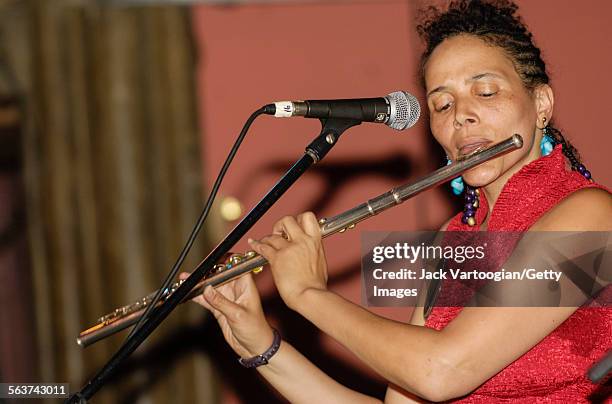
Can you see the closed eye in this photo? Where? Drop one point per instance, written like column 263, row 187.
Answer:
column 444, row 107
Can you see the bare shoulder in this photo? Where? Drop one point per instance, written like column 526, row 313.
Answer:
column 583, row 210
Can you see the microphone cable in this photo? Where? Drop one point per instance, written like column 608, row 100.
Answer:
column 203, row 215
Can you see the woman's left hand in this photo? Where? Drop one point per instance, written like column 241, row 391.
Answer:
column 296, row 257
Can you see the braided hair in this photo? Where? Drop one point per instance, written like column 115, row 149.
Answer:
column 495, row 22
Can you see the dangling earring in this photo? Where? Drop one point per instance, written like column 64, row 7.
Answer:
column 547, row 144
column 470, row 197
column 457, row 184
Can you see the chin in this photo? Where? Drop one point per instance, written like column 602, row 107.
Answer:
column 482, row 176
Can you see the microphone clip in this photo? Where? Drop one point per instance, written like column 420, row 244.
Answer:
column 332, row 129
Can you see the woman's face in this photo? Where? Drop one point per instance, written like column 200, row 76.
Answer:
column 476, row 98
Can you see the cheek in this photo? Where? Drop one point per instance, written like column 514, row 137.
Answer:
column 500, row 116
column 441, row 132
column 515, row 114
column 516, row 117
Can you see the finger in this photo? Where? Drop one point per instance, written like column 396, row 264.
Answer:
column 310, row 224
column 241, row 285
column 198, row 299
column 242, row 291
column 249, row 291
column 289, row 226
column 223, row 292
column 279, row 229
column 222, row 304
column 275, row 241
column 248, row 281
column 227, row 291
column 265, row 250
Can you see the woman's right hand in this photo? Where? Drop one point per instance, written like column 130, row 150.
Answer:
column 237, row 307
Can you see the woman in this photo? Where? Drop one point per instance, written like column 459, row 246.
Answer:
column 484, row 81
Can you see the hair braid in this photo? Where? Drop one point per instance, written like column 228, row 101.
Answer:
column 568, row 149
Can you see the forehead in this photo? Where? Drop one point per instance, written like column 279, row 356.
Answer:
column 463, row 56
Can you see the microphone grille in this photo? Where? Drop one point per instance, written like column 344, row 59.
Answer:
column 405, row 110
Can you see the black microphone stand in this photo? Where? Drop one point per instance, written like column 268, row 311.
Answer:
column 598, row 372
column 316, row 150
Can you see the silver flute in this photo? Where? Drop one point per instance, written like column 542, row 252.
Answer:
column 238, row 265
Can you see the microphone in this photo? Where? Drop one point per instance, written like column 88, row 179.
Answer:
column 398, row 110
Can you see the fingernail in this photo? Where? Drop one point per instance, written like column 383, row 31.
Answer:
column 250, row 240
column 208, row 291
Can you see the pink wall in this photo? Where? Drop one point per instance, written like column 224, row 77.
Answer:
column 251, row 55
column 575, row 41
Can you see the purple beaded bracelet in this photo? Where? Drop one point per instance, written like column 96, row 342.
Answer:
column 263, row 359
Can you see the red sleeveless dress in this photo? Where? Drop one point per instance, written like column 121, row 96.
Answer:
column 554, row 370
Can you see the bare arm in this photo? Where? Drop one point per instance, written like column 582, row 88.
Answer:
column 435, row 365
column 237, row 308
column 300, row 381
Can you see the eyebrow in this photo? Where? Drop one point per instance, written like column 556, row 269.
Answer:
column 473, row 78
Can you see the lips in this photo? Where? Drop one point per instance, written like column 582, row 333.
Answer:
column 469, row 146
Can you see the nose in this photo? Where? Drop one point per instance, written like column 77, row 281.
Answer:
column 465, row 114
